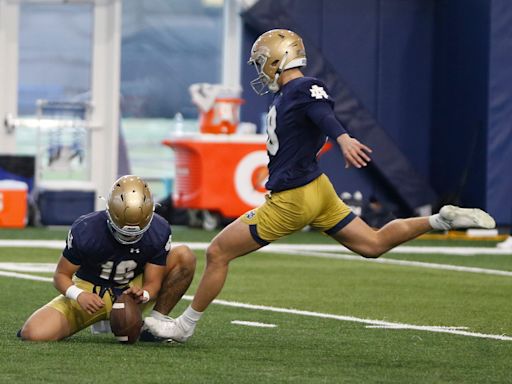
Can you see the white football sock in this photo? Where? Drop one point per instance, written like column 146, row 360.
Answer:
column 190, row 316
column 157, row 315
column 437, row 222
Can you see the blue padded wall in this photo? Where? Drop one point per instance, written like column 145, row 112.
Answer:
column 458, row 149
column 404, row 81
column 472, row 110
column 499, row 135
column 349, row 42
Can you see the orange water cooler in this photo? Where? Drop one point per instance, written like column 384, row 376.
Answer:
column 223, row 117
column 219, row 173
column 218, row 106
column 13, row 204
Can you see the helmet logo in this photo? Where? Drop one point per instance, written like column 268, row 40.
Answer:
column 130, row 209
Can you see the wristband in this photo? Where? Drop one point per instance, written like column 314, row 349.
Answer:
column 145, row 296
column 73, row 291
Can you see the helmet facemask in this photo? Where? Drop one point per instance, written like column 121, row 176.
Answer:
column 129, row 234
column 263, row 80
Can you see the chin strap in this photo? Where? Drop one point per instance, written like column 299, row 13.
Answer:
column 274, row 87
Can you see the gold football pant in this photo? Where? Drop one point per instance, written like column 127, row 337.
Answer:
column 316, row 204
column 78, row 318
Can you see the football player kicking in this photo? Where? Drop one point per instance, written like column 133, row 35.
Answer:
column 300, row 117
column 123, row 249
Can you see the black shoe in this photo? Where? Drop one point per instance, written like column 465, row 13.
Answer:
column 147, row 336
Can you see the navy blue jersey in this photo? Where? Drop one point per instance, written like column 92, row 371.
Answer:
column 299, row 120
column 103, row 260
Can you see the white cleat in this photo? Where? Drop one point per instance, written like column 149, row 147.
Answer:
column 172, row 330
column 147, row 335
column 507, row 244
column 457, row 217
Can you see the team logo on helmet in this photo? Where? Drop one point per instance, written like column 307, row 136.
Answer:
column 130, row 209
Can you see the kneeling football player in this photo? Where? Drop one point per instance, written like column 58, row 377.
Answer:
column 125, row 249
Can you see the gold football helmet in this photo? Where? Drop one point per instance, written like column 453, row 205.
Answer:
column 272, row 53
column 130, row 208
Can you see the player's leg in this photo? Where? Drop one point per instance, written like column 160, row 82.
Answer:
column 283, row 213
column 181, row 265
column 233, row 241
column 368, row 242
column 63, row 317
column 362, row 239
column 337, row 221
column 45, row 324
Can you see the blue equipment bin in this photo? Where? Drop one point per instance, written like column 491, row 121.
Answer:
column 64, row 207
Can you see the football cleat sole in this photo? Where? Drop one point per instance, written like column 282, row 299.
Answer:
column 147, row 337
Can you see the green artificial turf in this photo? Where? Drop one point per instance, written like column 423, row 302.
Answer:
column 301, row 349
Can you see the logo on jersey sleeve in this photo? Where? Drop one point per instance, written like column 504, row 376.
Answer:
column 168, row 244
column 70, row 240
column 318, row 92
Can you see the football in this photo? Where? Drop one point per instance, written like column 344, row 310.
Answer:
column 126, row 319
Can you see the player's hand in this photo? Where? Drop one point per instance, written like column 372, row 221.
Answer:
column 136, row 293
column 355, row 153
column 90, row 302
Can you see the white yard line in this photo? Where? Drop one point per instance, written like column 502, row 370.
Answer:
column 50, row 244
column 391, row 325
column 380, row 323
column 253, row 324
column 28, row 267
column 25, row 276
column 400, row 327
column 408, row 263
column 402, row 249
column 308, row 250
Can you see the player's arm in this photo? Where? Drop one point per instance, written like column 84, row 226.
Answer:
column 62, row 280
column 153, row 278
column 354, row 152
